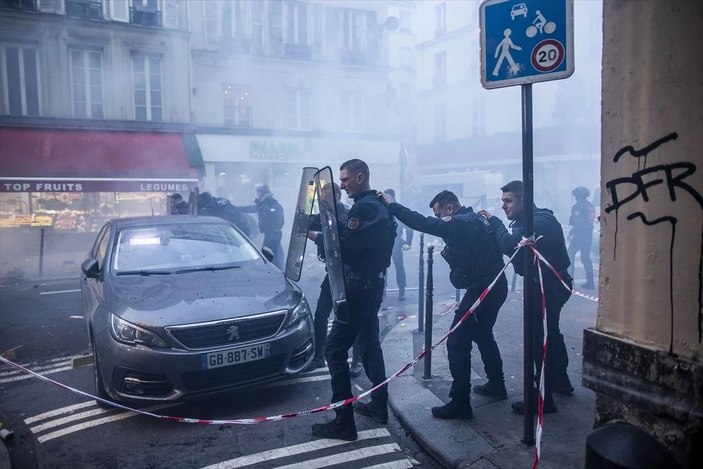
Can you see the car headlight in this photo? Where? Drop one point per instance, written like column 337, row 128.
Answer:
column 128, row 333
column 298, row 312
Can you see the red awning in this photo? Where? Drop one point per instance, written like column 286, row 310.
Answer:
column 41, row 160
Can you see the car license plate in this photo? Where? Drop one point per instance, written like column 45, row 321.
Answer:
column 235, row 356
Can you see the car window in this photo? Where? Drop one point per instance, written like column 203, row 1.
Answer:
column 180, row 246
column 102, row 245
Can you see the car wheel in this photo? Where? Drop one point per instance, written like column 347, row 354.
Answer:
column 99, row 385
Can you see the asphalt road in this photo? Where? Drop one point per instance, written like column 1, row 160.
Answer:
column 56, row 427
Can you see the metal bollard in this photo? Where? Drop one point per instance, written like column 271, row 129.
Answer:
column 428, row 315
column 41, row 252
column 421, row 287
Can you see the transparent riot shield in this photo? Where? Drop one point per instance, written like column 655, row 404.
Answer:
column 301, row 225
column 193, row 201
column 330, row 232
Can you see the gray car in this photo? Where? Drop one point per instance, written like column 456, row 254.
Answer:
column 181, row 306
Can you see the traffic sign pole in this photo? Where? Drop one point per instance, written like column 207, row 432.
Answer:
column 528, row 283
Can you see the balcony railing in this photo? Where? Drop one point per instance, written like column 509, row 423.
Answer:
column 87, row 9
column 145, row 17
column 26, row 5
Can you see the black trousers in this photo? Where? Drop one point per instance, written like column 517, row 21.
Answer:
column 581, row 242
column 363, row 301
column 557, row 361
column 398, row 263
column 272, row 241
column 479, row 329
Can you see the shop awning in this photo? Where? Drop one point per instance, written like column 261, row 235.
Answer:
column 42, row 160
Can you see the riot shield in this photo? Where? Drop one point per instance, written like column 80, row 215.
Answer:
column 301, row 225
column 333, row 252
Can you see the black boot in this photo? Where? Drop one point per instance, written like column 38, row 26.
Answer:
column 341, row 428
column 493, row 389
column 589, row 285
column 375, row 409
column 455, row 409
column 549, row 406
column 401, row 293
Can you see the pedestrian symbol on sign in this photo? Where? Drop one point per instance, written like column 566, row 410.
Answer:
column 503, row 50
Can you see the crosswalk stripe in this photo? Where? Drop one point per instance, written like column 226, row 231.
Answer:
column 35, row 369
column 294, row 450
column 353, row 455
column 61, row 411
column 70, row 418
column 21, row 377
column 59, row 291
column 399, row 464
column 94, row 423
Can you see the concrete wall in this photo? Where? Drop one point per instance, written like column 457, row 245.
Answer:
column 652, row 213
column 644, row 357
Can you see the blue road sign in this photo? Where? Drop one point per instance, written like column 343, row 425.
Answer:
column 526, row 41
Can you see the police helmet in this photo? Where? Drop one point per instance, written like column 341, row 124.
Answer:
column 581, row 192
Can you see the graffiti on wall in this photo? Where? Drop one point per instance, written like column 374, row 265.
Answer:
column 662, row 183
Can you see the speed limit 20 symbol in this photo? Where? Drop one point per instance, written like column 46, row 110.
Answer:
column 547, row 55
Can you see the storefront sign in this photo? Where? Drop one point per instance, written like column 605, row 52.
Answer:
column 96, row 185
column 284, row 151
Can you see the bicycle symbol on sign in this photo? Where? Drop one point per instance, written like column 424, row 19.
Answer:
column 540, row 24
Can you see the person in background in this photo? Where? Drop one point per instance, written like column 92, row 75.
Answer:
column 403, row 241
column 581, row 234
column 271, row 221
column 178, row 205
column 553, row 248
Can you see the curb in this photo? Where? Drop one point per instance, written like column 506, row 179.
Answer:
column 453, row 443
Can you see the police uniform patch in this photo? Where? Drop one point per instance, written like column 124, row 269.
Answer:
column 446, row 218
column 353, row 223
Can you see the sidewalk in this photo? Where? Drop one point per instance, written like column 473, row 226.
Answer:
column 492, row 438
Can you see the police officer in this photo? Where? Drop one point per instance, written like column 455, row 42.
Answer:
column 581, row 233
column 553, row 248
column 271, row 221
column 324, row 303
column 403, row 241
column 474, row 260
column 366, row 241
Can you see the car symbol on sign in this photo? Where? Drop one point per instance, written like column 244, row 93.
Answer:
column 517, row 10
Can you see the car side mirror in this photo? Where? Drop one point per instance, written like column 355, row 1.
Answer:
column 268, row 253
column 91, row 268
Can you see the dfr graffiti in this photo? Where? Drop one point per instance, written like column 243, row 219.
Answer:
column 643, row 184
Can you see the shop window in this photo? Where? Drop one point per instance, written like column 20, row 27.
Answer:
column 237, row 106
column 148, row 89
column 20, row 80
column 298, row 113
column 87, row 83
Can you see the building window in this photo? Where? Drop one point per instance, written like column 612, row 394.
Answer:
column 145, row 12
column 440, row 19
column 440, row 122
column 148, row 90
column 440, row 69
column 87, row 83
column 236, row 19
column 354, row 30
column 355, row 122
column 405, row 21
column 237, row 106
column 296, row 24
column 20, row 73
column 298, row 109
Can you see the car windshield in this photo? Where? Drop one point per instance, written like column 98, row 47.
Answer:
column 180, row 247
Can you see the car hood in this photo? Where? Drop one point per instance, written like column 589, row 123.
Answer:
column 167, row 300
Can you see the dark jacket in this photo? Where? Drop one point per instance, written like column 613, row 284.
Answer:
column 367, row 237
column 582, row 215
column 552, row 245
column 471, row 252
column 270, row 214
column 180, row 209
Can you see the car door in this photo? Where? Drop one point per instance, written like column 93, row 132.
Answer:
column 92, row 288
